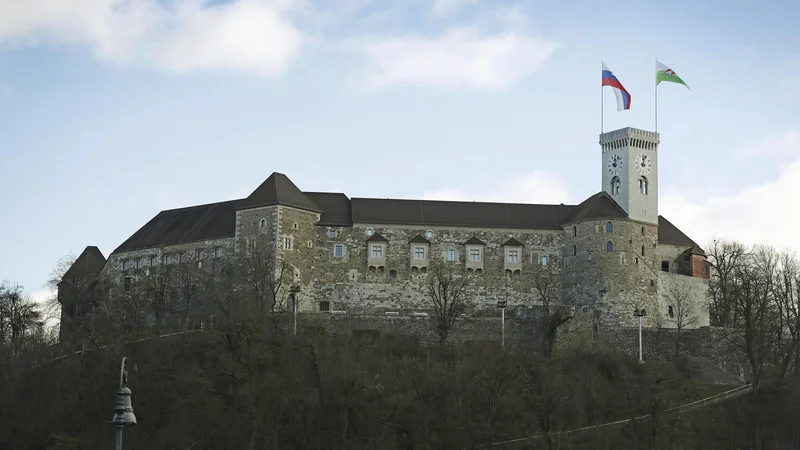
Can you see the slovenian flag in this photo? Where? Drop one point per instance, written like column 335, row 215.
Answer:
column 623, row 97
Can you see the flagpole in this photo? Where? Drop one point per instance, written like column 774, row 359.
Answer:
column 656, row 95
column 602, row 128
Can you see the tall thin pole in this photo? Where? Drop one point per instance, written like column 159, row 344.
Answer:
column 656, row 88
column 502, row 327
column 640, row 339
column 602, row 110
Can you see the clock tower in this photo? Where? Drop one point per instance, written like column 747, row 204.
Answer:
column 630, row 171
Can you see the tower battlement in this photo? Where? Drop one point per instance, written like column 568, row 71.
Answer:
column 630, row 132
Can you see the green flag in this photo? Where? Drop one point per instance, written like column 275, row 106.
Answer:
column 664, row 73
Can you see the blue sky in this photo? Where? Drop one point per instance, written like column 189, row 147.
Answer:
column 113, row 110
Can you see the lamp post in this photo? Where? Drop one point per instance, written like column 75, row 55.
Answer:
column 502, row 305
column 639, row 314
column 294, row 290
column 123, row 415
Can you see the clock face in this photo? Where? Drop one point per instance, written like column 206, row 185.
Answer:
column 614, row 164
column 643, row 163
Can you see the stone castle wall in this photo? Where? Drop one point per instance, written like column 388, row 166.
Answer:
column 611, row 283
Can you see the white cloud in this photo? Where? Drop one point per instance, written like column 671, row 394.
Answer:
column 536, row 187
column 786, row 145
column 253, row 36
column 760, row 214
column 460, row 58
column 444, row 7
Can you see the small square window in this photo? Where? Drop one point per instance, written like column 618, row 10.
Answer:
column 324, row 306
column 369, row 231
column 429, row 234
column 392, row 274
column 665, row 266
column 338, row 250
column 332, row 234
column 452, row 255
column 513, row 256
column 475, row 254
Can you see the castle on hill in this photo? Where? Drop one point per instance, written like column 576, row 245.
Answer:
column 610, row 254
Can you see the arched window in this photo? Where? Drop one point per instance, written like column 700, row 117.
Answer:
column 544, row 260
column 574, row 231
column 609, row 227
column 615, row 186
column 574, row 250
column 589, row 256
column 643, row 185
column 609, row 247
column 643, row 250
column 643, row 231
column 263, row 223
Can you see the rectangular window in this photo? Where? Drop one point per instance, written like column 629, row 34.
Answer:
column 332, row 234
column 287, row 243
column 475, row 254
column 217, row 252
column 180, row 257
column 452, row 255
column 419, row 252
column 377, row 251
column 124, row 265
column 513, row 256
column 152, row 261
column 338, row 250
column 201, row 255
column 166, row 259
column 126, row 282
column 138, row 263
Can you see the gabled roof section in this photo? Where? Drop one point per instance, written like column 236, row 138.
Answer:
column 278, row 189
column 335, row 208
column 177, row 226
column 474, row 241
column 598, row 206
column 670, row 234
column 87, row 265
column 419, row 239
column 459, row 214
column 513, row 243
column 376, row 237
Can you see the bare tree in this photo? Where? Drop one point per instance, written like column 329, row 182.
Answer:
column 159, row 285
column 262, row 273
column 726, row 257
column 787, row 301
column 132, row 305
column 546, row 287
column 19, row 316
column 447, row 290
column 683, row 311
column 188, row 280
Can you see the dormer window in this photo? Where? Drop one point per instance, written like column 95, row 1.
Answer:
column 643, row 188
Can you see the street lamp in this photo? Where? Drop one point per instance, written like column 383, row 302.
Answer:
column 639, row 314
column 502, row 304
column 123, row 416
column 294, row 290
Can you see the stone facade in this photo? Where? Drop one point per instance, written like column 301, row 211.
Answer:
column 370, row 257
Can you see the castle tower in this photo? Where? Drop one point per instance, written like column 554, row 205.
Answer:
column 630, row 171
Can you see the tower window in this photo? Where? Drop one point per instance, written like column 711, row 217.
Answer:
column 609, row 247
column 287, row 243
column 609, row 227
column 589, row 256
column 643, row 188
column 615, row 186
column 574, row 231
column 643, row 250
column 263, row 223
column 671, row 312
column 574, row 250
column 294, row 225
column 643, row 231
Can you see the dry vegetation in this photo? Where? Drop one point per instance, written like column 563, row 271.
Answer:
column 244, row 383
